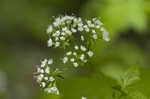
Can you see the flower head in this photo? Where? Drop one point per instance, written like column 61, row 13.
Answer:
column 76, row 34
column 45, row 76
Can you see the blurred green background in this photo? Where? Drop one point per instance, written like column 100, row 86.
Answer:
column 23, row 43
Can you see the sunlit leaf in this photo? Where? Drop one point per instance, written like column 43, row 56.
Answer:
column 131, row 76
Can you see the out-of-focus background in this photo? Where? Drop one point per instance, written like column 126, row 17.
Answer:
column 23, row 43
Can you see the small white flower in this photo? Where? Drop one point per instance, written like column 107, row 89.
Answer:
column 57, row 44
column 95, row 36
column 62, row 38
column 93, row 31
column 50, row 42
column 47, row 90
column 68, row 32
column 76, row 47
column 43, row 63
column 98, row 22
column 73, row 30
column 65, row 60
column 105, row 34
column 57, row 33
column 41, row 71
column 56, row 38
column 47, row 70
column 68, row 22
column 83, row 98
column 54, row 35
column 82, row 57
column 74, row 53
column 68, row 53
column 82, row 48
column 39, row 78
column 80, row 28
column 46, row 78
column 52, row 90
column 75, row 20
column 50, row 29
column 38, row 70
column 63, row 33
column 50, row 61
column 86, row 28
column 92, row 25
column 82, row 38
column 41, row 75
column 97, row 26
column 75, row 64
column 94, row 19
column 51, row 79
column 58, row 19
column 90, row 53
column 56, row 24
column 72, row 59
column 43, row 84
column 80, row 24
column 64, row 29
column 89, row 23
column 79, row 19
column 85, row 61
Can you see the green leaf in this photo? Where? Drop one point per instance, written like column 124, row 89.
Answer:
column 131, row 76
column 113, row 71
column 119, row 15
column 136, row 95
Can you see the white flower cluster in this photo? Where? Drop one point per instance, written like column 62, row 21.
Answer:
column 78, row 56
column 76, row 34
column 45, row 78
column 63, row 29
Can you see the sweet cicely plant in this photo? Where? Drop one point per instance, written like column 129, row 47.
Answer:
column 76, row 36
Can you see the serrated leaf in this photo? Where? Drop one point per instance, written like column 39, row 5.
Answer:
column 131, row 76
column 136, row 95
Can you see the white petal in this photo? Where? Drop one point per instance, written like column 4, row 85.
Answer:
column 75, row 64
column 50, row 61
column 49, row 29
column 50, row 42
column 90, row 53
